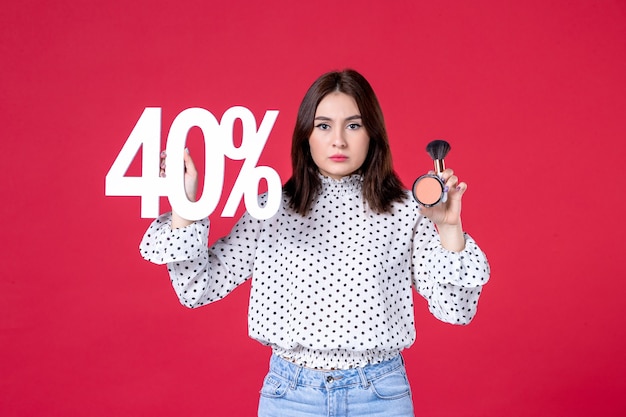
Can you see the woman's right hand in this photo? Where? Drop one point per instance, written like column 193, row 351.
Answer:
column 191, row 186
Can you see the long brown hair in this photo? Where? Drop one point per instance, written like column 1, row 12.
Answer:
column 381, row 185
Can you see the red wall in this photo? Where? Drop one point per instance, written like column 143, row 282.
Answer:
column 531, row 94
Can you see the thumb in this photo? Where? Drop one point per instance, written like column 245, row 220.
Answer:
column 190, row 167
column 425, row 211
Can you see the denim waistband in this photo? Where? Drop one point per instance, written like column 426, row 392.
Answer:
column 328, row 379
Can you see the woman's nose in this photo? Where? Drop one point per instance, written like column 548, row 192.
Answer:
column 339, row 140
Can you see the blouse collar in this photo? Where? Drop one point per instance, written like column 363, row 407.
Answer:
column 348, row 185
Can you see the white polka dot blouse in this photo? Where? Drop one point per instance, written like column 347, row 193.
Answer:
column 332, row 289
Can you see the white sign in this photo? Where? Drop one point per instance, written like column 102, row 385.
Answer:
column 218, row 137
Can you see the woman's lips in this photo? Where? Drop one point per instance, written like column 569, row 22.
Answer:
column 338, row 158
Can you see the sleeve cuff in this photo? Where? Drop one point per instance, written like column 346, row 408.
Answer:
column 160, row 244
column 468, row 268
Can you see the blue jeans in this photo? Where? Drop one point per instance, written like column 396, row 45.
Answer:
column 381, row 390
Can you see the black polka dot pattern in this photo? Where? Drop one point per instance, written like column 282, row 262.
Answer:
column 332, row 289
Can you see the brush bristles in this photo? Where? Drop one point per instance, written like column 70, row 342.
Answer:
column 438, row 149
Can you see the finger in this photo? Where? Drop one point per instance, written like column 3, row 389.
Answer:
column 162, row 164
column 452, row 182
column 459, row 189
column 447, row 173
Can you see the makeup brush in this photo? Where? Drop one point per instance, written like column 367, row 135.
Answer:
column 429, row 189
column 438, row 149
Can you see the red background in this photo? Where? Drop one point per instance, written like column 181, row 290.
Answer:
column 531, row 94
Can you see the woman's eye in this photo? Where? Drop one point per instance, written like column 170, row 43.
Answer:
column 323, row 126
column 353, row 126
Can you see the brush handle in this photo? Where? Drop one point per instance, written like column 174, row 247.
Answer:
column 440, row 166
column 444, row 194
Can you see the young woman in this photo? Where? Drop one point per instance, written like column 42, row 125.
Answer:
column 333, row 270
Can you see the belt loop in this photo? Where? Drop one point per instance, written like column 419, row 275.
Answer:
column 364, row 382
column 296, row 375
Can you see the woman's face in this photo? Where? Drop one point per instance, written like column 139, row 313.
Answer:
column 339, row 142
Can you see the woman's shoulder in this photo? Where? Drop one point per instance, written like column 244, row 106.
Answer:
column 404, row 209
column 407, row 201
column 281, row 209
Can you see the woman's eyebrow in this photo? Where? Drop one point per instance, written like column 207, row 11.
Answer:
column 326, row 118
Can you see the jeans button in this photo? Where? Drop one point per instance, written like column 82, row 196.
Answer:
column 329, row 379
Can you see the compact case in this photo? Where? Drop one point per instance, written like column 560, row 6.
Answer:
column 429, row 189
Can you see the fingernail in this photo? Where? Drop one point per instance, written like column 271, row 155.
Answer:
column 187, row 150
column 458, row 188
column 163, row 154
column 446, row 189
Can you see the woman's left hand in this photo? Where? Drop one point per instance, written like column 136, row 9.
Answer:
column 447, row 216
column 448, row 213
